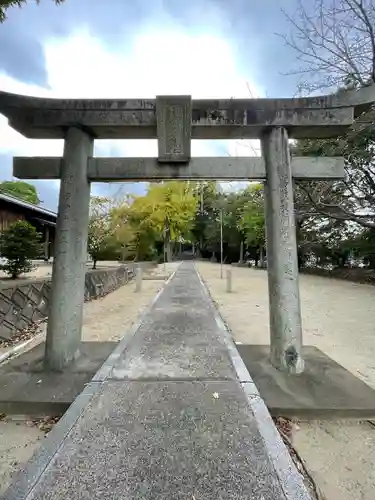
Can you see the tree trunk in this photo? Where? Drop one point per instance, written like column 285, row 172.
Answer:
column 169, row 251
column 241, row 252
column 94, row 264
column 167, row 243
column 167, row 248
column 123, row 252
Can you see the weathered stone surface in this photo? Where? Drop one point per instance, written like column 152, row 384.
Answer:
column 70, row 252
column 323, row 116
column 157, row 440
column 325, row 389
column 27, row 389
column 178, row 339
column 173, row 124
column 282, row 262
column 133, row 169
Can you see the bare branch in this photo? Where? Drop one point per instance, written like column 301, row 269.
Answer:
column 336, row 211
column 334, row 41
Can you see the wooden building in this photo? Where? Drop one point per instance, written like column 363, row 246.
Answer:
column 13, row 209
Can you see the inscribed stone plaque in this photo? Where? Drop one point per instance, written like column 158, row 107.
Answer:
column 173, row 117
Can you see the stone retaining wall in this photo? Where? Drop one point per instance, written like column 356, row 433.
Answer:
column 24, row 304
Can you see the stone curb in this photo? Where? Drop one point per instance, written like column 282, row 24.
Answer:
column 19, row 347
column 290, row 479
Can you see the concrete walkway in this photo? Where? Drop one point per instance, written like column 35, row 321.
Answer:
column 171, row 414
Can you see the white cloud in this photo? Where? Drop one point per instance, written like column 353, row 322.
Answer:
column 153, row 62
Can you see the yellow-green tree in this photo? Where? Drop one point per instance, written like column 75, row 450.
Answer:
column 166, row 213
column 251, row 222
column 123, row 232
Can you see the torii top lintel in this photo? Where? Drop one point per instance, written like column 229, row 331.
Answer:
column 311, row 117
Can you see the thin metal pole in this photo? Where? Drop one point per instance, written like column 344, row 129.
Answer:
column 164, row 245
column 221, row 243
column 164, row 250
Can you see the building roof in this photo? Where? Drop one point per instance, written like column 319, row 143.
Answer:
column 29, row 206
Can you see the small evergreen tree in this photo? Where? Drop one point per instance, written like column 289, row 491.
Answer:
column 18, row 245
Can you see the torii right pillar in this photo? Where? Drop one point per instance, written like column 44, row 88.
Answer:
column 282, row 260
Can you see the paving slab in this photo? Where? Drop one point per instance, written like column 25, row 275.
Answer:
column 184, row 346
column 324, row 390
column 157, row 440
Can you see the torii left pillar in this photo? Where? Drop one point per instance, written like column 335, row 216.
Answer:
column 69, row 264
column 282, row 261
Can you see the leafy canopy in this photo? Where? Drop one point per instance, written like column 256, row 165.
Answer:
column 6, row 4
column 22, row 190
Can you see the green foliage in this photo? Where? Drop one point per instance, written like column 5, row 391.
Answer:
column 205, row 230
column 22, row 190
column 165, row 213
column 135, row 227
column 251, row 221
column 139, row 227
column 18, row 245
column 6, row 4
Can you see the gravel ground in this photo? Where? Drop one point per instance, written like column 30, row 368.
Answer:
column 104, row 319
column 338, row 318
column 17, row 443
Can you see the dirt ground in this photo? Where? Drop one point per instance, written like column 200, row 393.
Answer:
column 18, row 442
column 104, row 319
column 338, row 318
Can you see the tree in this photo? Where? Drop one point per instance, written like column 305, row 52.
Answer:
column 18, row 245
column 352, row 199
column 205, row 220
column 334, row 41
column 165, row 213
column 6, row 4
column 122, row 231
column 252, row 222
column 22, row 190
column 99, row 230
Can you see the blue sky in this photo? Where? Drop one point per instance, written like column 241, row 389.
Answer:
column 118, row 48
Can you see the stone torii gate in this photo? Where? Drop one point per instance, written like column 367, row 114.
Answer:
column 174, row 121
